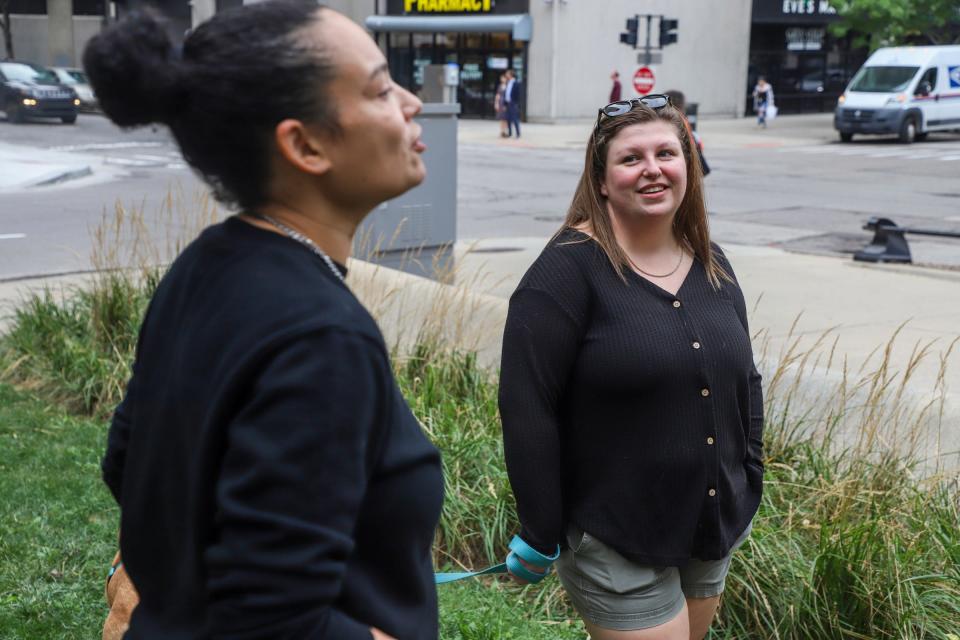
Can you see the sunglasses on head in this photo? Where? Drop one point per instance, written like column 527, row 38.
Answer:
column 654, row 101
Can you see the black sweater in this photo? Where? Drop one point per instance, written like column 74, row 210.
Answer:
column 632, row 412
column 272, row 481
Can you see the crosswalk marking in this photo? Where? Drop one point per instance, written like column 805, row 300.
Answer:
column 164, row 156
column 926, row 154
column 97, row 146
column 171, row 160
column 131, row 162
column 942, row 152
column 889, row 154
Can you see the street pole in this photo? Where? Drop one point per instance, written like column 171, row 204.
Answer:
column 646, row 48
column 553, row 60
column 60, row 44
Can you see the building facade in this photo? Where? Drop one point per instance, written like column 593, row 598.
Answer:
column 484, row 38
column 54, row 32
column 563, row 51
column 792, row 47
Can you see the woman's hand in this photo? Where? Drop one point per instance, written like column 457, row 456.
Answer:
column 529, row 567
column 380, row 635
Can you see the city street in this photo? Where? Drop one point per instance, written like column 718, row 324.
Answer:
column 764, row 365
column 47, row 229
column 792, row 186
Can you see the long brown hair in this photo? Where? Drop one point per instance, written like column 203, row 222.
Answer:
column 589, row 206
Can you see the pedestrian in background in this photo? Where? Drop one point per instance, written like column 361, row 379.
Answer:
column 679, row 101
column 511, row 95
column 272, row 481
column 616, row 89
column 763, row 103
column 500, row 105
column 632, row 410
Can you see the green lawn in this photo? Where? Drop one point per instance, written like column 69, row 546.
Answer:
column 58, row 526
column 57, row 522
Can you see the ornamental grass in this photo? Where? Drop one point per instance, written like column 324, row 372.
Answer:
column 858, row 533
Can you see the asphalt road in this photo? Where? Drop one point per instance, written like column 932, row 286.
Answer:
column 798, row 188
column 141, row 168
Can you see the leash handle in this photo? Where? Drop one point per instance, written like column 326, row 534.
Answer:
column 518, row 550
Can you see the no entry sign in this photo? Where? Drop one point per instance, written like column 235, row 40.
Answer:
column 643, row 80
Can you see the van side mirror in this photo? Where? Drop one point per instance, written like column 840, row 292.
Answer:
column 924, row 89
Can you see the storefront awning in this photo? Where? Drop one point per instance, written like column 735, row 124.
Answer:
column 520, row 25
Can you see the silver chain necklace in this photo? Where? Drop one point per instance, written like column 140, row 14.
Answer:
column 293, row 234
column 657, row 275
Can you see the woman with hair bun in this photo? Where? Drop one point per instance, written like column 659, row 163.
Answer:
column 272, row 481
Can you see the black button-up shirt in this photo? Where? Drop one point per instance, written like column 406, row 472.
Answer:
column 633, row 412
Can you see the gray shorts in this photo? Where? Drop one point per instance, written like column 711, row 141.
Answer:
column 612, row 592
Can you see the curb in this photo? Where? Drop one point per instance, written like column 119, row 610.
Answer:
column 57, row 177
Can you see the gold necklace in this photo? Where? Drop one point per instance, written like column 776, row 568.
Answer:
column 656, row 275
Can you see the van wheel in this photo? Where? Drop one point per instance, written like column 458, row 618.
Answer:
column 920, row 137
column 908, row 130
column 846, row 137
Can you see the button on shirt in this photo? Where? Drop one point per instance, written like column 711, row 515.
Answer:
column 613, row 422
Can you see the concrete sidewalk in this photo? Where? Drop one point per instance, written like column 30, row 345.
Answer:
column 844, row 313
column 821, row 325
column 23, row 167
column 726, row 133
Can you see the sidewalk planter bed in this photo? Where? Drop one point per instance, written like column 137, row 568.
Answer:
column 847, row 544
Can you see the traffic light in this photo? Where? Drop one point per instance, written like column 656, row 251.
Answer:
column 630, row 37
column 668, row 31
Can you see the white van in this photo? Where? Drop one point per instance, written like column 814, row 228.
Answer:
column 909, row 91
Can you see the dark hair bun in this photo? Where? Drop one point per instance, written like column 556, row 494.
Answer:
column 135, row 71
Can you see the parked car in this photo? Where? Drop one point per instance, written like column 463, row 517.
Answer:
column 907, row 91
column 77, row 80
column 29, row 91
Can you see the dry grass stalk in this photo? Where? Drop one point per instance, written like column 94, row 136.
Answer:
column 872, row 411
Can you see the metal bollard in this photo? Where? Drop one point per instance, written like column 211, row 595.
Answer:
column 889, row 242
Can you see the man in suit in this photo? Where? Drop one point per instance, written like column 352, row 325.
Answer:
column 511, row 96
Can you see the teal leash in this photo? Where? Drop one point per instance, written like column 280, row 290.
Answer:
column 518, row 550
column 443, row 578
column 114, row 569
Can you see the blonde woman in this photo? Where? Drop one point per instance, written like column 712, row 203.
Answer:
column 632, row 410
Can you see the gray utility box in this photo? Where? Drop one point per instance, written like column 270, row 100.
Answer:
column 440, row 82
column 416, row 231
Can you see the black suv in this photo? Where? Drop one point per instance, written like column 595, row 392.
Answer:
column 31, row 91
